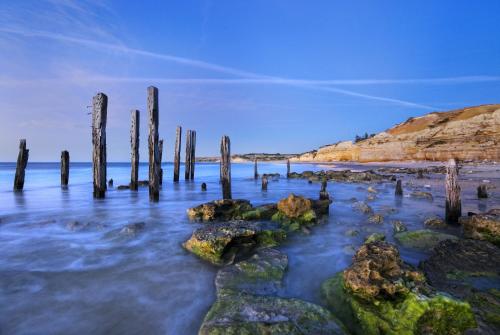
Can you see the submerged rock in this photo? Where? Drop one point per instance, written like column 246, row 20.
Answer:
column 261, row 274
column 246, row 314
column 223, row 210
column 342, row 176
column 434, row 222
column 362, row 207
column 398, row 226
column 371, row 189
column 379, row 294
column 133, row 228
column 422, row 195
column 485, row 227
column 376, row 218
column 221, row 243
column 423, row 239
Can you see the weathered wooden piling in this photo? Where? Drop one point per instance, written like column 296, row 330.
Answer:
column 264, row 183
column 255, row 172
column 64, row 168
column 453, row 202
column 482, row 191
column 420, row 174
column 225, row 167
column 187, row 162
column 288, row 168
column 160, row 149
column 134, row 147
column 399, row 188
column 99, row 156
column 193, row 154
column 154, row 152
column 177, row 153
column 110, row 182
column 323, row 193
column 203, row 187
column 22, row 161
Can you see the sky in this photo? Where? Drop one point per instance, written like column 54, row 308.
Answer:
column 276, row 76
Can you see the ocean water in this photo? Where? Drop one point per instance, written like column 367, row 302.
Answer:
column 66, row 268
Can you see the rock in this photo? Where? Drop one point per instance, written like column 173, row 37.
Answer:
column 110, row 182
column 294, row 206
column 379, row 294
column 485, row 227
column 375, row 237
column 246, row 314
column 297, row 211
column 468, row 269
column 352, row 232
column 372, row 190
column 347, row 176
column 434, row 222
column 133, row 228
column 261, row 274
column 271, row 176
column 371, row 197
column 221, row 210
column 123, row 187
column 222, row 243
column 263, row 212
column 362, row 207
column 321, row 207
column 422, row 195
column 398, row 226
column 376, row 218
column 423, row 239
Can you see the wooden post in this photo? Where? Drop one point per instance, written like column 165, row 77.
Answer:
column 187, row 162
column 288, row 168
column 22, row 161
column 399, row 188
column 64, row 168
column 482, row 192
column 264, row 183
column 192, row 157
column 134, row 146
column 225, row 167
column 99, row 117
column 203, row 186
column 154, row 152
column 160, row 149
column 453, row 202
column 177, row 153
column 420, row 174
column 323, row 193
column 255, row 172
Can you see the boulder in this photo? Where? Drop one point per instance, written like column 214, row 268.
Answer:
column 294, row 206
column 423, row 239
column 261, row 274
column 485, row 227
column 434, row 222
column 245, row 314
column 220, row 210
column 133, row 229
column 294, row 212
column 263, row 212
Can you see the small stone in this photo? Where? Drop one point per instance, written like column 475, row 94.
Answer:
column 422, row 195
column 352, row 232
column 398, row 226
column 362, row 207
column 376, row 218
column 133, row 228
column 372, row 190
column 434, row 222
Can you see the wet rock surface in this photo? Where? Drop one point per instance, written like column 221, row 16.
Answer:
column 362, row 207
column 342, row 176
column 434, row 222
column 423, row 239
column 485, row 227
column 221, row 210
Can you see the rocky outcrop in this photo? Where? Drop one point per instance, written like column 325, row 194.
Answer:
column 379, row 294
column 485, row 227
column 465, row 134
column 295, row 212
column 222, row 210
column 423, row 239
column 347, row 176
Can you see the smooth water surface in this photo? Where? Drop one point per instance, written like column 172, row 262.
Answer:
column 66, row 267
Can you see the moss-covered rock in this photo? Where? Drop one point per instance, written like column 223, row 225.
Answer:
column 264, row 212
column 294, row 206
column 296, row 212
column 484, row 227
column 245, row 314
column 375, row 237
column 220, row 210
column 423, row 239
column 261, row 274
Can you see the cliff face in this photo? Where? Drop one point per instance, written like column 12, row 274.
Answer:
column 467, row 134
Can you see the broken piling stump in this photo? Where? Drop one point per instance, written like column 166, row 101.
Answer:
column 453, row 202
column 288, row 168
column 134, row 148
column 99, row 157
column 264, row 183
column 323, row 193
column 177, row 153
column 22, row 162
column 153, row 141
column 482, row 192
column 64, row 168
column 203, row 186
column 399, row 188
column 225, row 167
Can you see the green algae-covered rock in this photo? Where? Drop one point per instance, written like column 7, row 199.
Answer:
column 244, row 314
column 423, row 239
column 375, row 237
column 260, row 274
column 220, row 210
column 219, row 243
column 409, row 313
column 295, row 212
column 264, row 212
column 485, row 227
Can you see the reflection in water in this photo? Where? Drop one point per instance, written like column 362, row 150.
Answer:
column 67, row 265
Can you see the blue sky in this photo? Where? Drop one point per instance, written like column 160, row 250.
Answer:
column 276, row 76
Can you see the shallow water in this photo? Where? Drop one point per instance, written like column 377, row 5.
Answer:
column 67, row 269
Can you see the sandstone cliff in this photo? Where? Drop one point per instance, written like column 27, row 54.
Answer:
column 467, row 134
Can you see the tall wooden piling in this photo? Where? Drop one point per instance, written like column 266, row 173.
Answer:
column 64, row 168
column 193, row 154
column 154, row 151
column 134, row 147
column 99, row 118
column 160, row 148
column 187, row 162
column 225, row 167
column 288, row 168
column 453, row 202
column 255, row 172
column 399, row 188
column 177, row 153
column 22, row 161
